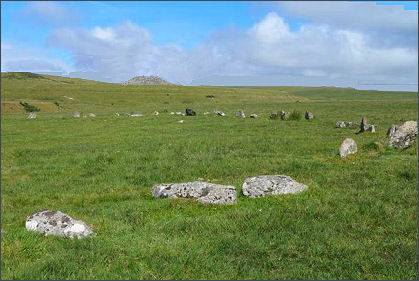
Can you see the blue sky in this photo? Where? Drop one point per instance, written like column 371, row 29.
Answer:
column 35, row 37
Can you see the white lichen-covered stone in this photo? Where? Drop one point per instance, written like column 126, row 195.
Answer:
column 57, row 223
column 271, row 185
column 31, row 115
column 345, row 124
column 219, row 113
column 308, row 115
column 347, row 147
column 240, row 114
column 204, row 192
column 402, row 136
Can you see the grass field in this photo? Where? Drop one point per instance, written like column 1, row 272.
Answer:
column 358, row 219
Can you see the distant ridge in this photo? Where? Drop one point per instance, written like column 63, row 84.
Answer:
column 147, row 80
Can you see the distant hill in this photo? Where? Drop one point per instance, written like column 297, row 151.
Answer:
column 20, row 75
column 147, row 80
column 30, row 77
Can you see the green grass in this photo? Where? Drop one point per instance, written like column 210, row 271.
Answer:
column 358, row 219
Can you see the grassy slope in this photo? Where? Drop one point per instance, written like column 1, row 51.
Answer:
column 357, row 220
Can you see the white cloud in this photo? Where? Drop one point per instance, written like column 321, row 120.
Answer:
column 270, row 48
column 49, row 12
column 329, row 49
column 271, row 30
column 390, row 25
column 121, row 52
column 21, row 58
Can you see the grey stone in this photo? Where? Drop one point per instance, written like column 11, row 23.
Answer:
column 372, row 128
column 190, row 112
column 240, row 114
column 347, row 147
column 92, row 115
column 308, row 115
column 156, row 113
column 219, row 113
column 402, row 136
column 57, row 223
column 203, row 192
column 147, row 80
column 271, row 185
column 363, row 126
column 135, row 114
column 284, row 115
column 253, row 115
column 76, row 114
column 343, row 124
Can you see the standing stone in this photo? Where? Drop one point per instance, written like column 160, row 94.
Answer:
column 203, row 192
column 92, row 115
column 240, row 114
column 347, row 147
column 402, row 136
column 190, row 112
column 156, row 113
column 219, row 113
column 364, row 124
column 32, row 115
column 76, row 114
column 206, row 113
column 57, row 223
column 308, row 115
column 253, row 116
column 172, row 113
column 284, row 115
column 271, row 185
column 365, row 127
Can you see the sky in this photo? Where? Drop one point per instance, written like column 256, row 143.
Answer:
column 365, row 45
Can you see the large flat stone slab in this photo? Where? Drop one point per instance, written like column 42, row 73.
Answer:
column 271, row 185
column 203, row 192
column 57, row 223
